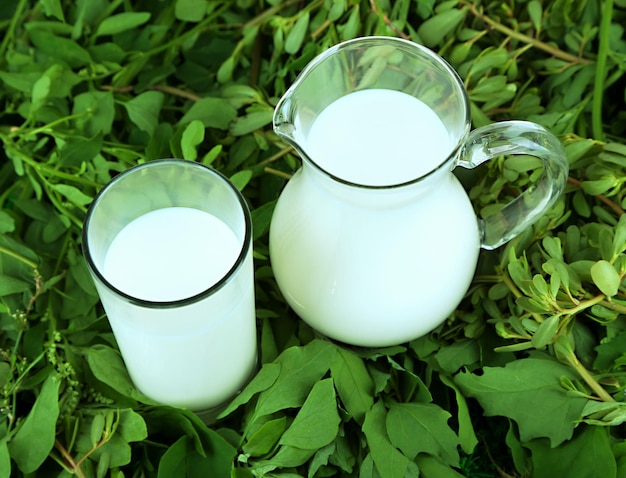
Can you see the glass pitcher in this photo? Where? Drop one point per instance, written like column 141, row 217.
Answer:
column 373, row 241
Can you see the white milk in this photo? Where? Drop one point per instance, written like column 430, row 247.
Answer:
column 374, row 267
column 197, row 355
column 372, row 137
column 171, row 254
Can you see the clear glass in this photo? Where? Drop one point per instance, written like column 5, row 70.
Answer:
column 196, row 351
column 378, row 265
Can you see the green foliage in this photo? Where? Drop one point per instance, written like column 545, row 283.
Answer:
column 93, row 87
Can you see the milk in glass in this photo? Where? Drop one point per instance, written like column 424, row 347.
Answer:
column 374, row 266
column 163, row 256
column 194, row 355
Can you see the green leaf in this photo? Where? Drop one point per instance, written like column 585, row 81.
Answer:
column 431, row 467
column 5, row 459
column 144, row 109
column 34, row 439
column 317, row 422
column 98, row 111
column 436, row 28
column 529, row 392
column 619, row 238
column 7, row 223
column 225, row 71
column 266, row 437
column 41, row 89
column 213, row 112
column 11, row 285
column 609, row 351
column 23, row 82
column 535, row 12
column 389, row 462
column 581, row 206
column 53, row 8
column 586, row 454
column 350, row 29
column 321, row 458
column 97, row 427
column 251, row 122
column 296, row 35
column 212, row 155
column 129, row 427
column 73, row 194
column 192, row 136
column 353, row 383
column 191, row 10
column 108, row 367
column 173, row 462
column 61, row 48
column 416, row 428
column 300, row 369
column 122, row 22
column 5, row 373
column 613, row 158
column 241, row 178
column 598, row 186
column 467, row 436
column 546, row 331
column 287, row 457
column 80, row 150
column 605, row 277
column 263, row 380
column 458, row 354
column 261, row 219
column 490, row 58
column 577, row 150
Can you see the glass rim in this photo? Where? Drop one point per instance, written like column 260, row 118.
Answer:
column 401, row 42
column 169, row 304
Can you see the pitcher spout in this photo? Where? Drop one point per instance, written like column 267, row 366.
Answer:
column 284, row 118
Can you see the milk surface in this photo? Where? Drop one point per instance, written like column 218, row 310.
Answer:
column 171, row 254
column 377, row 137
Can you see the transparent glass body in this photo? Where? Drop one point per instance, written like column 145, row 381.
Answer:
column 197, row 351
column 377, row 265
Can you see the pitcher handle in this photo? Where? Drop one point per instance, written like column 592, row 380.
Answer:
column 517, row 137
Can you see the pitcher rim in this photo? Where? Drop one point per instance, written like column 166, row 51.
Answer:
column 450, row 157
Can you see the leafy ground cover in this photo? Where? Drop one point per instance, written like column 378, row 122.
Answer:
column 525, row 379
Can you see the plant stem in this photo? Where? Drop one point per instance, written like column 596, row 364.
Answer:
column 517, row 293
column 618, row 210
column 588, row 378
column 598, row 87
column 613, row 306
column 39, row 167
column 556, row 52
column 387, row 21
column 172, row 90
column 177, row 40
column 19, row 257
column 45, row 128
column 276, row 172
column 277, row 156
column 584, row 305
column 8, row 36
column 73, row 466
column 267, row 14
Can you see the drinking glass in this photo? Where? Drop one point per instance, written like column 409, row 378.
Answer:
column 194, row 350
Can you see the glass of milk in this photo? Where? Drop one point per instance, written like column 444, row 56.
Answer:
column 168, row 244
column 374, row 241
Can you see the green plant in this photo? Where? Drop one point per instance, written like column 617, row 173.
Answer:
column 92, row 87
